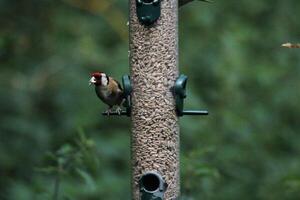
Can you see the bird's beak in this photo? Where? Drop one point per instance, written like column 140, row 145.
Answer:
column 92, row 80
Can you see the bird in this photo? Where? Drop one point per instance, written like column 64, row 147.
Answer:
column 108, row 90
column 183, row 2
column 290, row 45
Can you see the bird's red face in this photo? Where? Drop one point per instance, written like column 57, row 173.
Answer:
column 99, row 78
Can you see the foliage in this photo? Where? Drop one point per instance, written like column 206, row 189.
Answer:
column 247, row 148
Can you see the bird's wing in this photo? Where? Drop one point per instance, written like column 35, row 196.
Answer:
column 115, row 84
column 119, row 85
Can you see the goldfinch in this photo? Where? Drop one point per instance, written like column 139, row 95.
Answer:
column 108, row 90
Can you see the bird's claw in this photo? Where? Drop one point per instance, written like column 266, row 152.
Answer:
column 108, row 111
column 118, row 110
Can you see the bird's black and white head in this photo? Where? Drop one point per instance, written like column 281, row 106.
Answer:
column 99, row 79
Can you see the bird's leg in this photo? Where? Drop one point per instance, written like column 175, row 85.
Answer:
column 118, row 110
column 108, row 111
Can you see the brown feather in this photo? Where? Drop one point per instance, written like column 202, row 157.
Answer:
column 112, row 94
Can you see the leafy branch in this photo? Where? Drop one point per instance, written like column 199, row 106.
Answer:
column 77, row 157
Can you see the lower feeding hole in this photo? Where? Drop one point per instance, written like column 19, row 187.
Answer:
column 150, row 182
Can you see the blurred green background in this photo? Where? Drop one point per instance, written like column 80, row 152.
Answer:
column 55, row 145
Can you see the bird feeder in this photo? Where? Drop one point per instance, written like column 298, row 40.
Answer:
column 154, row 95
